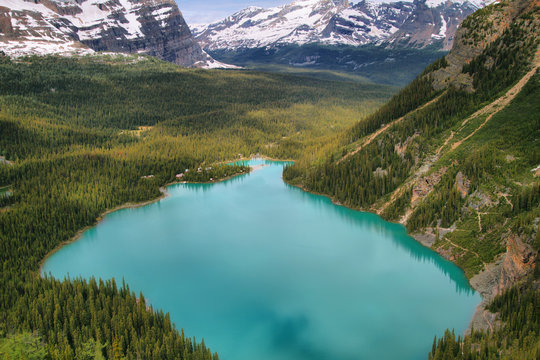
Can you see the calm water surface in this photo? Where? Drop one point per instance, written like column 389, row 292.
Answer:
column 263, row 270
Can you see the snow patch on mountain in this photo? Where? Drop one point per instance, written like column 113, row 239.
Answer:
column 152, row 27
column 16, row 49
column 338, row 22
column 442, row 31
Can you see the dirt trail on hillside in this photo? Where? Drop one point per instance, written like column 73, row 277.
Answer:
column 369, row 139
column 505, row 196
column 405, row 186
column 465, row 249
column 500, row 103
column 479, row 221
column 491, row 109
column 448, row 139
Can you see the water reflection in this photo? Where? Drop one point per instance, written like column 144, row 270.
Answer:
column 264, row 270
column 394, row 232
column 361, row 220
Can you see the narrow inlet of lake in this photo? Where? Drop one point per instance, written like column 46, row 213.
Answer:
column 263, row 270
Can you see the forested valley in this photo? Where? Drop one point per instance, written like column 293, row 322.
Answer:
column 457, row 163
column 80, row 136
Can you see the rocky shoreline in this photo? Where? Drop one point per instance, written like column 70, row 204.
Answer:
column 507, row 269
column 496, row 277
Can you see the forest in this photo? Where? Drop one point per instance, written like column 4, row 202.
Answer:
column 471, row 193
column 80, row 136
column 517, row 337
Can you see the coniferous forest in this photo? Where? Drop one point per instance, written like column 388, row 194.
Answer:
column 453, row 164
column 84, row 135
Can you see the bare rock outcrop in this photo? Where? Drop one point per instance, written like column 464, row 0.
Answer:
column 515, row 264
column 462, row 184
column 425, row 185
column 150, row 27
column 473, row 37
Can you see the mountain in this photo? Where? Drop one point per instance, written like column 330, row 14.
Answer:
column 454, row 157
column 340, row 22
column 151, row 27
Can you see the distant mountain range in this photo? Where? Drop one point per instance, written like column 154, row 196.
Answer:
column 418, row 24
column 318, row 34
column 152, row 27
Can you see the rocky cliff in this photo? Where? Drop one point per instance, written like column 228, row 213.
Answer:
column 475, row 34
column 402, row 23
column 152, row 27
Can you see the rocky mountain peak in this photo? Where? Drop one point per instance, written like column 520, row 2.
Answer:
column 417, row 23
column 152, row 27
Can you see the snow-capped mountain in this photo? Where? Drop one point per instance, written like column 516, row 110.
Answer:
column 415, row 23
column 153, row 27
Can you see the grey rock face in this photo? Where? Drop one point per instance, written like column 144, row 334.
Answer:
column 152, row 27
column 393, row 24
column 427, row 25
column 169, row 39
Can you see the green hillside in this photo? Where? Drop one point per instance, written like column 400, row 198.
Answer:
column 82, row 136
column 454, row 156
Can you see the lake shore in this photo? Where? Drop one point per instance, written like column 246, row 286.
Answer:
column 100, row 218
column 164, row 194
column 167, row 239
column 481, row 283
column 478, row 321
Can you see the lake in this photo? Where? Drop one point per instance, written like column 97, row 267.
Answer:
column 263, row 270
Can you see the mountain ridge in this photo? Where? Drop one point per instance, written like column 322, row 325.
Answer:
column 150, row 27
column 403, row 23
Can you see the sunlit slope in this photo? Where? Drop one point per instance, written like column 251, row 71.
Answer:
column 84, row 135
column 454, row 156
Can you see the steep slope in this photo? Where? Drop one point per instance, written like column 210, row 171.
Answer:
column 453, row 157
column 152, row 27
column 401, row 23
column 24, row 30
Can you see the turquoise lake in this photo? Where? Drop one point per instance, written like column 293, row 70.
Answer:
column 263, row 270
